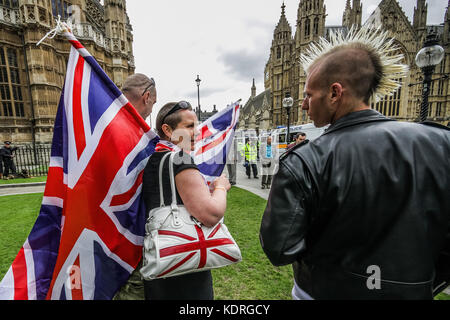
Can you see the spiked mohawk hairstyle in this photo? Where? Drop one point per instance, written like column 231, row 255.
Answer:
column 381, row 50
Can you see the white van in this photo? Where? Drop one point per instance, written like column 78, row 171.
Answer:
column 312, row 132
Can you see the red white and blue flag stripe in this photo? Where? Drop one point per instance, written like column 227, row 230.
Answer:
column 89, row 233
column 215, row 141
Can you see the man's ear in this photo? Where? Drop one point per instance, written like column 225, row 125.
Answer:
column 336, row 91
column 146, row 98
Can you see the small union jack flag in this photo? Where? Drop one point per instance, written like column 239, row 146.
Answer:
column 215, row 141
column 88, row 236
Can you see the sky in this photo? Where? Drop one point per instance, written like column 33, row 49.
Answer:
column 227, row 43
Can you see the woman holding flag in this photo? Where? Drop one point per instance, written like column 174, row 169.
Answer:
column 176, row 125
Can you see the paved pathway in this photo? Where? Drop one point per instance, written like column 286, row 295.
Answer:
column 253, row 185
column 21, row 188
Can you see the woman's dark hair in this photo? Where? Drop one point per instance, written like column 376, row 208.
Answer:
column 172, row 120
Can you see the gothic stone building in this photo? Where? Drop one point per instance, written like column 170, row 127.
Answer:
column 283, row 72
column 31, row 77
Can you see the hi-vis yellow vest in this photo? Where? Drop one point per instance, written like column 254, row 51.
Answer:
column 251, row 153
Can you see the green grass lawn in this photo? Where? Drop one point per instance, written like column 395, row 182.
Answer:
column 252, row 279
column 21, row 180
column 17, row 217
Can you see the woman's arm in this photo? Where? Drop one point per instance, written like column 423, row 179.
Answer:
column 206, row 207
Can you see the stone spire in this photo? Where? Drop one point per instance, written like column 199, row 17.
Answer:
column 352, row 14
column 446, row 35
column 310, row 21
column 283, row 24
column 420, row 15
column 346, row 17
column 253, row 89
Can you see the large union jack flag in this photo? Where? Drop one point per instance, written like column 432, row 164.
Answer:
column 89, row 233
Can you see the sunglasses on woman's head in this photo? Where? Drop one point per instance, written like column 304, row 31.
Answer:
column 152, row 84
column 182, row 105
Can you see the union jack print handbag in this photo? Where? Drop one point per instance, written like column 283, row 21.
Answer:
column 176, row 243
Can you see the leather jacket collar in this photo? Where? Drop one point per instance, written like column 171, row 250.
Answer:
column 357, row 117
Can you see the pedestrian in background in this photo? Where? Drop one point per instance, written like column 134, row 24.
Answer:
column 268, row 155
column 298, row 138
column 7, row 154
column 251, row 157
column 1, row 165
column 363, row 211
column 232, row 159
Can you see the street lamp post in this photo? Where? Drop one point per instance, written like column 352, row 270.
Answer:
column 288, row 102
column 198, row 96
column 427, row 59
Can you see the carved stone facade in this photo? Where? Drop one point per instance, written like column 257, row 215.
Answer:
column 256, row 112
column 31, row 77
column 283, row 72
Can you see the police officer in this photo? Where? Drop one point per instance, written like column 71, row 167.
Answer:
column 7, row 154
column 1, row 165
column 251, row 154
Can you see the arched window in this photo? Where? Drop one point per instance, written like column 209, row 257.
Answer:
column 11, row 98
column 316, row 26
column 10, row 3
column 307, row 27
column 59, row 7
column 278, row 53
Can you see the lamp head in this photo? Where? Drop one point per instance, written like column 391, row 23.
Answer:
column 288, row 101
column 431, row 54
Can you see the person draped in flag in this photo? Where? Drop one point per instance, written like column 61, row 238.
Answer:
column 140, row 91
column 176, row 125
column 92, row 218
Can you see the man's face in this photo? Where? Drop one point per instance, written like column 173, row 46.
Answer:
column 150, row 103
column 300, row 139
column 316, row 102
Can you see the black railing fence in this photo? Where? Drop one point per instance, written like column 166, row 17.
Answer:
column 35, row 161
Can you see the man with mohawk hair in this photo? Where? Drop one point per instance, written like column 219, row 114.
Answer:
column 362, row 212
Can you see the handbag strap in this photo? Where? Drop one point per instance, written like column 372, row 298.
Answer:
column 161, row 192
column 172, row 180
column 171, row 155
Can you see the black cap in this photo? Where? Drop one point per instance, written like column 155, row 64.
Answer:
column 8, row 142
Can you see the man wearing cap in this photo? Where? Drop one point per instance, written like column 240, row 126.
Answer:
column 362, row 212
column 7, row 154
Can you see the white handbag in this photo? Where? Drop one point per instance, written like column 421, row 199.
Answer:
column 176, row 243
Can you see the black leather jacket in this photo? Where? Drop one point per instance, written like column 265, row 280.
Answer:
column 369, row 193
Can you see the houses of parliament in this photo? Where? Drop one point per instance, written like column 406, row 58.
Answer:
column 32, row 77
column 284, row 74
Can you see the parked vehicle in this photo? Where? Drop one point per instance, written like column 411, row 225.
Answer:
column 279, row 135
